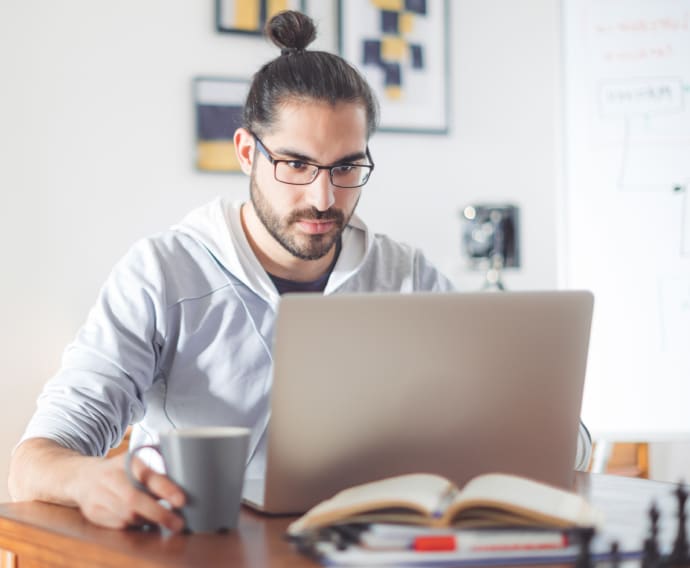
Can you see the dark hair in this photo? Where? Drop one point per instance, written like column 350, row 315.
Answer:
column 301, row 74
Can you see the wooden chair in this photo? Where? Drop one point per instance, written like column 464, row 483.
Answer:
column 123, row 447
column 629, row 459
column 7, row 559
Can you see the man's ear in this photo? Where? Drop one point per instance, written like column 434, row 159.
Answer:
column 244, row 148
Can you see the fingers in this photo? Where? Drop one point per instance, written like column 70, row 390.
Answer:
column 142, row 506
column 161, row 486
column 147, row 506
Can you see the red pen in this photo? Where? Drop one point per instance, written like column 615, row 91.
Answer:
column 490, row 542
column 434, row 543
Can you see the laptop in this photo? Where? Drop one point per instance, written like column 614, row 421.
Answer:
column 367, row 386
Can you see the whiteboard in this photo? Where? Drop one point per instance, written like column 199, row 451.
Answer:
column 627, row 209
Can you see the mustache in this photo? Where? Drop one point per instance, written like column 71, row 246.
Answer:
column 316, row 215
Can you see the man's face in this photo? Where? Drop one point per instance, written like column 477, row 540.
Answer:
column 307, row 220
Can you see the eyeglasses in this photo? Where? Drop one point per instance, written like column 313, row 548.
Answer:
column 299, row 172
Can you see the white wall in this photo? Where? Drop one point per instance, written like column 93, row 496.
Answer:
column 96, row 150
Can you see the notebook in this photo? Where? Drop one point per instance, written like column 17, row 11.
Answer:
column 367, row 386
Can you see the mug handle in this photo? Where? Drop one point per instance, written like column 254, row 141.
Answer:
column 128, row 467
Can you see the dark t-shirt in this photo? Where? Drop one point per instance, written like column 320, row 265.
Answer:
column 319, row 285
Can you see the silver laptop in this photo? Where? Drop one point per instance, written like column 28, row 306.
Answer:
column 367, row 386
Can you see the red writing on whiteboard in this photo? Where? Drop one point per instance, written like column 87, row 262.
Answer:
column 638, row 54
column 641, row 25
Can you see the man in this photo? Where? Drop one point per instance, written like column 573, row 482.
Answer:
column 181, row 331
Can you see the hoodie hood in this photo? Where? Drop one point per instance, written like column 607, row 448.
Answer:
column 217, row 226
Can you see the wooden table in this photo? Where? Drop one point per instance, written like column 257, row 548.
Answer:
column 42, row 535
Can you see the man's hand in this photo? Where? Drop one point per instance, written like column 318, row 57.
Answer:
column 43, row 470
column 106, row 497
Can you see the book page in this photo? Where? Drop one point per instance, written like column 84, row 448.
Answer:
column 538, row 501
column 420, row 492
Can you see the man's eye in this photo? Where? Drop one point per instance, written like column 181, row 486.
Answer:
column 344, row 169
column 296, row 165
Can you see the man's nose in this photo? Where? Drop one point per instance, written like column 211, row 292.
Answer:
column 320, row 193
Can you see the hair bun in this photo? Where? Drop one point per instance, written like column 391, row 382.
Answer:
column 291, row 31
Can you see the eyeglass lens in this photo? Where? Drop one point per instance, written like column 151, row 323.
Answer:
column 347, row 175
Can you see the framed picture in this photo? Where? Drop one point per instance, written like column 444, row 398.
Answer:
column 250, row 16
column 219, row 103
column 400, row 46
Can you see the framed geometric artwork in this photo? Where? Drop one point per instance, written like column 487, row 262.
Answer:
column 219, row 103
column 400, row 46
column 250, row 16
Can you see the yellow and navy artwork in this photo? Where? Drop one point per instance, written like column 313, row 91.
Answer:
column 250, row 16
column 392, row 50
column 219, row 104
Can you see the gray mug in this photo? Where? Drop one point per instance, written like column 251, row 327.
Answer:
column 208, row 463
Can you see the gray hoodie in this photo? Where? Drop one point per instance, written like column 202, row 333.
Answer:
column 182, row 330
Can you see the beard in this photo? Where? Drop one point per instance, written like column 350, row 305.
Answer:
column 302, row 246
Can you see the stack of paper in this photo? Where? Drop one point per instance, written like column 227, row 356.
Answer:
column 399, row 545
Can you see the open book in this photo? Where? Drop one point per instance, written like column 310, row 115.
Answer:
column 493, row 499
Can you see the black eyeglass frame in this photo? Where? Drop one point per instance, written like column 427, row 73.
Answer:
column 275, row 161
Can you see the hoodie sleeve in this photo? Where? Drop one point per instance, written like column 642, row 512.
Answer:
column 428, row 278
column 99, row 388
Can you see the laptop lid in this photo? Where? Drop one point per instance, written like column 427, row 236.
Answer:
column 367, row 386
